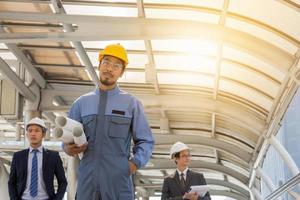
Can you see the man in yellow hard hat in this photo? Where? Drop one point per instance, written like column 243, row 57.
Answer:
column 179, row 184
column 111, row 119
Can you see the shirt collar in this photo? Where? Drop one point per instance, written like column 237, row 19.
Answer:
column 40, row 149
column 111, row 92
column 184, row 171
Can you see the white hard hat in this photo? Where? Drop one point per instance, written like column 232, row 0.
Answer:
column 177, row 147
column 36, row 121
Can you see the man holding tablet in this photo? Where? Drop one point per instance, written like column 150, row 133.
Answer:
column 178, row 185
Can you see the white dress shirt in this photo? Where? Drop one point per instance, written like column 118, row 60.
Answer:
column 184, row 173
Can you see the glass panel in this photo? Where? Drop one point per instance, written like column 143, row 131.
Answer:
column 149, row 172
column 181, row 15
column 236, row 168
column 3, row 46
column 186, row 63
column 237, row 182
column 7, row 56
column 128, row 44
column 246, row 93
column 132, row 77
column 195, row 47
column 256, row 9
column 205, row 3
column 262, row 34
column 251, row 78
column 101, row 11
column 252, row 61
column 186, row 79
column 296, row 1
column 214, row 175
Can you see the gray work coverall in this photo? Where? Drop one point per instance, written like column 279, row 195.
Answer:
column 111, row 119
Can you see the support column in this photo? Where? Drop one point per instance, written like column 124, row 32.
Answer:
column 252, row 196
column 266, row 179
column 3, row 181
column 286, row 157
column 73, row 162
column 47, row 137
column 18, row 131
column 256, row 193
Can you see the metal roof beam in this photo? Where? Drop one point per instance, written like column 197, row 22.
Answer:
column 168, row 164
column 144, row 28
column 237, row 113
column 23, row 59
column 78, row 45
column 167, row 139
column 16, row 81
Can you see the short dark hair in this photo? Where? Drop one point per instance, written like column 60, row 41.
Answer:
column 176, row 155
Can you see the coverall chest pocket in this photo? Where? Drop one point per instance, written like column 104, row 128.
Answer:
column 118, row 134
column 89, row 126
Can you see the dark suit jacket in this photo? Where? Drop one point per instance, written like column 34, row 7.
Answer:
column 52, row 165
column 171, row 187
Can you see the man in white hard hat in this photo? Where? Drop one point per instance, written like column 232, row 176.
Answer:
column 33, row 169
column 177, row 185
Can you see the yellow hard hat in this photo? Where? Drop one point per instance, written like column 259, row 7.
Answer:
column 115, row 50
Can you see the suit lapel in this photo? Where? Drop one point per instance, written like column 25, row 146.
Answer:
column 25, row 163
column 45, row 158
column 24, row 166
column 188, row 179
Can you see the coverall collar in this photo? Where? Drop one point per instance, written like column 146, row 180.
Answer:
column 111, row 92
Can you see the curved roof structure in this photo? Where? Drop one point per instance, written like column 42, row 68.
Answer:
column 216, row 75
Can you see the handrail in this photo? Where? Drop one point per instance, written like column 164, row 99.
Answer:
column 285, row 187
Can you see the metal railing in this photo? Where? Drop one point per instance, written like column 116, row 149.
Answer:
column 285, row 187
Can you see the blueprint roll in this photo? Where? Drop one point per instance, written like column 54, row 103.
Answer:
column 79, row 135
column 79, row 138
column 67, row 123
column 57, row 132
column 64, row 135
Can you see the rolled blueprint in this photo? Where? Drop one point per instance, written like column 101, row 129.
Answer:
column 69, row 131
column 79, row 138
column 67, row 123
column 65, row 135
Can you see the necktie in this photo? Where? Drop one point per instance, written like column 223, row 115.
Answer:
column 182, row 181
column 34, row 175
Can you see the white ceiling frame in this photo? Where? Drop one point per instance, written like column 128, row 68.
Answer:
column 139, row 52
column 164, row 139
column 196, row 8
column 146, row 29
column 168, row 164
column 16, row 81
column 78, row 45
column 236, row 112
column 26, row 62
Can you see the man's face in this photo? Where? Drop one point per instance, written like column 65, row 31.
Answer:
column 110, row 70
column 35, row 134
column 184, row 158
